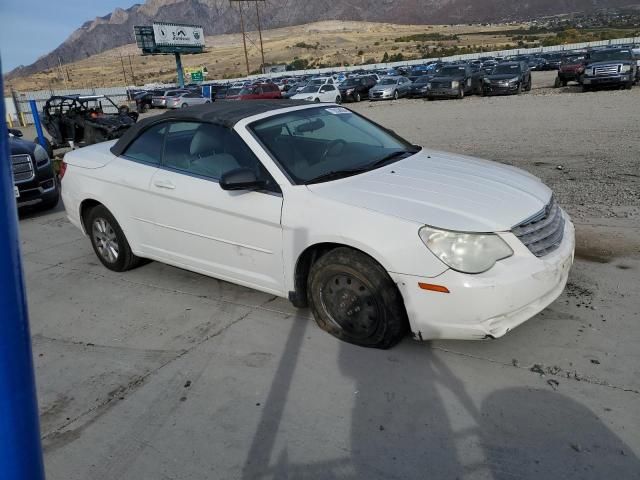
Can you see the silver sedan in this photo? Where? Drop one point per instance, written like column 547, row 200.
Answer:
column 186, row 99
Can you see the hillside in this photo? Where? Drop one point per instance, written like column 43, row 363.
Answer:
column 219, row 17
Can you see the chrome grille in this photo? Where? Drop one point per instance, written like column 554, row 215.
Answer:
column 440, row 84
column 543, row 233
column 607, row 70
column 22, row 168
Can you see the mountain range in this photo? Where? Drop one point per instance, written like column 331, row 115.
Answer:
column 221, row 16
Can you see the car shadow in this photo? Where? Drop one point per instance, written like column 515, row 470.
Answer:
column 412, row 418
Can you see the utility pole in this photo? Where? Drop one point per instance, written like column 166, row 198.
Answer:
column 61, row 70
column 260, row 33
column 244, row 38
column 124, row 73
column 133, row 77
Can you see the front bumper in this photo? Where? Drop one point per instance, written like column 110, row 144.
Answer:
column 498, row 89
column 490, row 304
column 385, row 95
column 443, row 92
column 609, row 80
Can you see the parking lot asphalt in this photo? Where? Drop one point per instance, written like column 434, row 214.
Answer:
column 159, row 373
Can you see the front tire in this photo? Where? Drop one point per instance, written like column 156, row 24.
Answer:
column 338, row 99
column 396, row 95
column 461, row 93
column 185, row 105
column 353, row 298
column 109, row 242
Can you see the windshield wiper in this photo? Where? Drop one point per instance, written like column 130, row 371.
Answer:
column 337, row 174
column 393, row 156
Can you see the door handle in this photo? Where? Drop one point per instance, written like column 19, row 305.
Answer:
column 164, row 184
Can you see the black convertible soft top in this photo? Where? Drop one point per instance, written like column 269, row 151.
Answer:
column 226, row 113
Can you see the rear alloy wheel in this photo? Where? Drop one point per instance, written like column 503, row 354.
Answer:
column 185, row 105
column 109, row 242
column 353, row 298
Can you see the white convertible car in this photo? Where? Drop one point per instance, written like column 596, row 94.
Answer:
column 318, row 204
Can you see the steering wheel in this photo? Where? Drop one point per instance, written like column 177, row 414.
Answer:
column 330, row 146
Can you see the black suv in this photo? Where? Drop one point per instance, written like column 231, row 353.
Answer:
column 454, row 81
column 356, row 88
column 507, row 78
column 610, row 67
column 33, row 176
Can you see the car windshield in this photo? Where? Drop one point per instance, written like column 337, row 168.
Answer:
column 388, row 81
column 573, row 60
column 506, row 69
column 606, row 55
column 447, row 71
column 310, row 89
column 318, row 81
column 325, row 143
column 233, row 91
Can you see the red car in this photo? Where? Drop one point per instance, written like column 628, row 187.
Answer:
column 257, row 91
column 571, row 70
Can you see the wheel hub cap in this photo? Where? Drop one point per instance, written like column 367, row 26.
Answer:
column 105, row 239
column 350, row 305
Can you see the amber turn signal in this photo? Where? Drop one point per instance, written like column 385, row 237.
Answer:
column 433, row 288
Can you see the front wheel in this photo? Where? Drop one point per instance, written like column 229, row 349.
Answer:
column 317, row 100
column 356, row 97
column 338, row 99
column 109, row 242
column 353, row 298
column 185, row 105
column 461, row 93
column 395, row 95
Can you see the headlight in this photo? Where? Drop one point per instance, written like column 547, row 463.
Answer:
column 588, row 71
column 486, row 80
column 465, row 252
column 350, row 91
column 41, row 156
column 514, row 80
column 455, row 84
column 625, row 68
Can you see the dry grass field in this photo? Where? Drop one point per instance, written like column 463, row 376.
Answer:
column 329, row 43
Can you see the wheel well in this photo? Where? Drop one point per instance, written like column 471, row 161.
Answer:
column 85, row 207
column 303, row 266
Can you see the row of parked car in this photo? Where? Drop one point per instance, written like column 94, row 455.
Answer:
column 434, row 79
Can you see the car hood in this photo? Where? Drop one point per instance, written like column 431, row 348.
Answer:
column 448, row 78
column 19, row 146
column 611, row 62
column 444, row 190
column 503, row 76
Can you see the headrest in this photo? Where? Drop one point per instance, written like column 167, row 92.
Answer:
column 205, row 141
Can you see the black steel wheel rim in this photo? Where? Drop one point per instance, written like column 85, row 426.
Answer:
column 350, row 305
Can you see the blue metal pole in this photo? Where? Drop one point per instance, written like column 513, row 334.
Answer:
column 20, row 449
column 179, row 69
column 36, row 122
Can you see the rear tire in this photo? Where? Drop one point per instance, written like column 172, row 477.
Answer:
column 353, row 298
column 108, row 241
column 356, row 97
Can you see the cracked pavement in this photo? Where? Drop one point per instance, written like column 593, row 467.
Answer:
column 159, row 373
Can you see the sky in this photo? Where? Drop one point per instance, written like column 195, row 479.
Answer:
column 32, row 28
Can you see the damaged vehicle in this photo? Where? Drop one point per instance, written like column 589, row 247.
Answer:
column 318, row 204
column 80, row 120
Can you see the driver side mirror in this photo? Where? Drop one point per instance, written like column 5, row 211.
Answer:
column 241, row 179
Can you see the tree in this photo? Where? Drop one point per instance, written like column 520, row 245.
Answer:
column 385, row 57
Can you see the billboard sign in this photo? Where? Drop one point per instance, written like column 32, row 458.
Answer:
column 173, row 35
